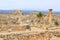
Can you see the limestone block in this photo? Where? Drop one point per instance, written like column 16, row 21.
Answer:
column 15, row 38
column 1, row 39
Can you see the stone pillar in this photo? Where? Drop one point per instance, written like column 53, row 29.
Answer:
column 50, row 17
column 44, row 26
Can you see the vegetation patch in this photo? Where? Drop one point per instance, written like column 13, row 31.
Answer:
column 56, row 23
column 39, row 15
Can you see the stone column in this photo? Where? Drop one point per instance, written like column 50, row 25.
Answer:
column 50, row 17
column 44, row 25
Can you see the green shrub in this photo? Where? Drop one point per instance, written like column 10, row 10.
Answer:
column 56, row 23
column 39, row 15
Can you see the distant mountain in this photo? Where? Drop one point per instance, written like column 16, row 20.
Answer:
column 10, row 11
column 27, row 11
column 6, row 11
column 24, row 11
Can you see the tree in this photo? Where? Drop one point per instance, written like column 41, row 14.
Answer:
column 22, row 13
column 39, row 15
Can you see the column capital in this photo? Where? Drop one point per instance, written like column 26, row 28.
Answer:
column 50, row 9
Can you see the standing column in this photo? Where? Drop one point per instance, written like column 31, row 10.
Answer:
column 50, row 17
column 44, row 25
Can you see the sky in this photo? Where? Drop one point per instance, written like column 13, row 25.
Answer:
column 30, row 4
